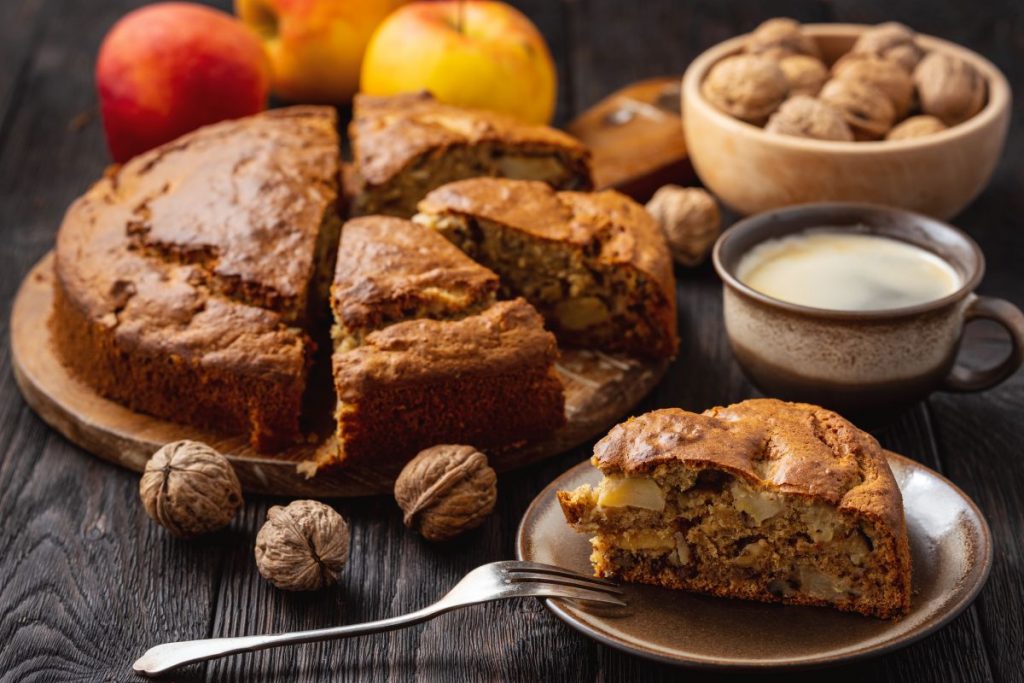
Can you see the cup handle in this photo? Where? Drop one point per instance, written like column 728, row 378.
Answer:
column 963, row 379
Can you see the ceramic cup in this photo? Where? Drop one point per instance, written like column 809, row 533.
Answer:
column 860, row 362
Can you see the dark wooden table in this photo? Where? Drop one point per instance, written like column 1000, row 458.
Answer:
column 87, row 582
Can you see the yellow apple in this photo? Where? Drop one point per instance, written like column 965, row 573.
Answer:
column 315, row 46
column 482, row 54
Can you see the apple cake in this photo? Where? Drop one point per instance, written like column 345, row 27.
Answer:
column 594, row 264
column 187, row 279
column 763, row 500
column 390, row 270
column 487, row 379
column 403, row 146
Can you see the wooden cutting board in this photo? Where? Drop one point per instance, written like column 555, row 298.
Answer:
column 636, row 138
column 599, row 389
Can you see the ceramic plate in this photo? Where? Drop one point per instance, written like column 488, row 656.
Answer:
column 949, row 542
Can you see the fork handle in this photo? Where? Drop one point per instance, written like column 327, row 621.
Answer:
column 163, row 658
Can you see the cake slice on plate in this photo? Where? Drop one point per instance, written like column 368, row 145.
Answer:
column 594, row 264
column 406, row 145
column 763, row 500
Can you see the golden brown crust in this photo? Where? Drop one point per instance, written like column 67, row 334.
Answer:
column 622, row 232
column 388, row 133
column 180, row 275
column 794, row 448
column 390, row 268
column 508, row 336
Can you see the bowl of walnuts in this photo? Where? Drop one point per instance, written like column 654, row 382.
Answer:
column 792, row 113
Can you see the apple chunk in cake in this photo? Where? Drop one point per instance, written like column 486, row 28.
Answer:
column 763, row 500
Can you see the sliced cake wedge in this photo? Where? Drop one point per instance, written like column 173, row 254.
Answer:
column 389, row 270
column 486, row 379
column 406, row 145
column 763, row 500
column 594, row 264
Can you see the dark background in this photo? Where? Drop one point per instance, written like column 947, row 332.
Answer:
column 87, row 582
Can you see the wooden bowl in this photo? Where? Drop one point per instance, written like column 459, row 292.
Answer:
column 754, row 171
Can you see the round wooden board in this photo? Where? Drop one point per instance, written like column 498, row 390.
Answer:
column 599, row 389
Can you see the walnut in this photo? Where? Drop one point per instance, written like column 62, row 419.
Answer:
column 804, row 74
column 748, row 87
column 780, row 37
column 190, row 489
column 446, row 490
column 303, row 546
column 915, row 127
column 808, row 117
column 867, row 110
column 690, row 219
column 892, row 41
column 887, row 76
column 949, row 88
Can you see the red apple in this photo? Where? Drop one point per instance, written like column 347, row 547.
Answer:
column 169, row 68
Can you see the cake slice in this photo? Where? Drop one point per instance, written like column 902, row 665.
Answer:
column 763, row 500
column 485, row 379
column 389, row 270
column 594, row 264
column 406, row 145
column 187, row 278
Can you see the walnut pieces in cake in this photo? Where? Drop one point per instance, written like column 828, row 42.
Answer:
column 891, row 41
column 807, row 117
column 446, row 490
column 883, row 74
column 867, row 110
column 748, row 87
column 805, row 74
column 780, row 37
column 916, row 127
column 303, row 546
column 190, row 489
column 690, row 219
column 949, row 88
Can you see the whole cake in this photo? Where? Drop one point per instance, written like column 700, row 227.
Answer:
column 424, row 355
column 763, row 500
column 595, row 264
column 406, row 145
column 186, row 279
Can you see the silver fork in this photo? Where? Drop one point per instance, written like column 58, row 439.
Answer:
column 494, row 581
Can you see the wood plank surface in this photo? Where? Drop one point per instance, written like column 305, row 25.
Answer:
column 87, row 582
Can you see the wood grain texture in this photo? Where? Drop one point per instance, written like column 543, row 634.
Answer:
column 87, row 582
column 598, row 387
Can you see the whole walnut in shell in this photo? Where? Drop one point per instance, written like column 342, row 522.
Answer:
column 949, row 88
column 190, row 489
column 915, row 127
column 891, row 41
column 446, row 490
column 780, row 37
column 303, row 546
column 807, row 117
column 690, row 219
column 748, row 87
column 804, row 74
column 867, row 110
column 885, row 75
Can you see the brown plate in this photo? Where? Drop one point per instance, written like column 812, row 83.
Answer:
column 949, row 542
